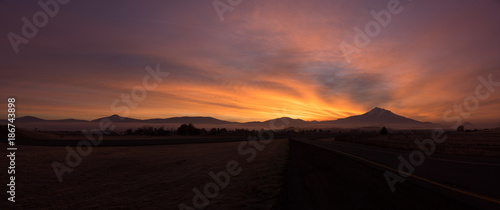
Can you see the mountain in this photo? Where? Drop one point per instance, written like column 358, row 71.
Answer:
column 181, row 120
column 193, row 120
column 375, row 117
column 31, row 119
column 68, row 120
column 117, row 119
column 378, row 116
column 28, row 119
column 285, row 120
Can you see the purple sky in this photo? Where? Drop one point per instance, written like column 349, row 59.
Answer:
column 267, row 59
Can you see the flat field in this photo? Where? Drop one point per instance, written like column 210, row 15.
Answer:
column 149, row 176
column 486, row 144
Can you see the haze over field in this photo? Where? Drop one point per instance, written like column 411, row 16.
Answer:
column 265, row 60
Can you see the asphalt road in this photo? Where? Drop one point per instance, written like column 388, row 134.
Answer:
column 472, row 181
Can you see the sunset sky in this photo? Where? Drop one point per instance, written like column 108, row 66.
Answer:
column 266, row 59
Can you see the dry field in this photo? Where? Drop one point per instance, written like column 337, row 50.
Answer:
column 152, row 177
column 466, row 143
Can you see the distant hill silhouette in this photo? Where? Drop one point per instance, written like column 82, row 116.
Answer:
column 187, row 120
column 69, row 120
column 31, row 119
column 117, row 119
column 28, row 119
column 375, row 117
column 280, row 121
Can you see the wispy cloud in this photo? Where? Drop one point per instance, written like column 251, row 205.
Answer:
column 265, row 56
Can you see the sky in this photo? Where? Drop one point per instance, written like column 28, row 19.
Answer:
column 266, row 59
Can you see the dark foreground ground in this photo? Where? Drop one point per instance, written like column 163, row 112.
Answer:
column 148, row 177
column 328, row 175
column 280, row 174
column 320, row 179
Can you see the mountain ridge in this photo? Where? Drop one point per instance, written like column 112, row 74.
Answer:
column 376, row 116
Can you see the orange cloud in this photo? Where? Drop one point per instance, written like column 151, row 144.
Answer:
column 267, row 59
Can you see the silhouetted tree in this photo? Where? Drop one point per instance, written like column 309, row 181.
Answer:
column 384, row 131
column 213, row 131
column 460, row 128
column 160, row 131
column 188, row 129
column 148, row 131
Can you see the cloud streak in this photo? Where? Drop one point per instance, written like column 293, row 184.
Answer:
column 267, row 56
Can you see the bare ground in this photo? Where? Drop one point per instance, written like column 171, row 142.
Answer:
column 151, row 177
column 485, row 144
